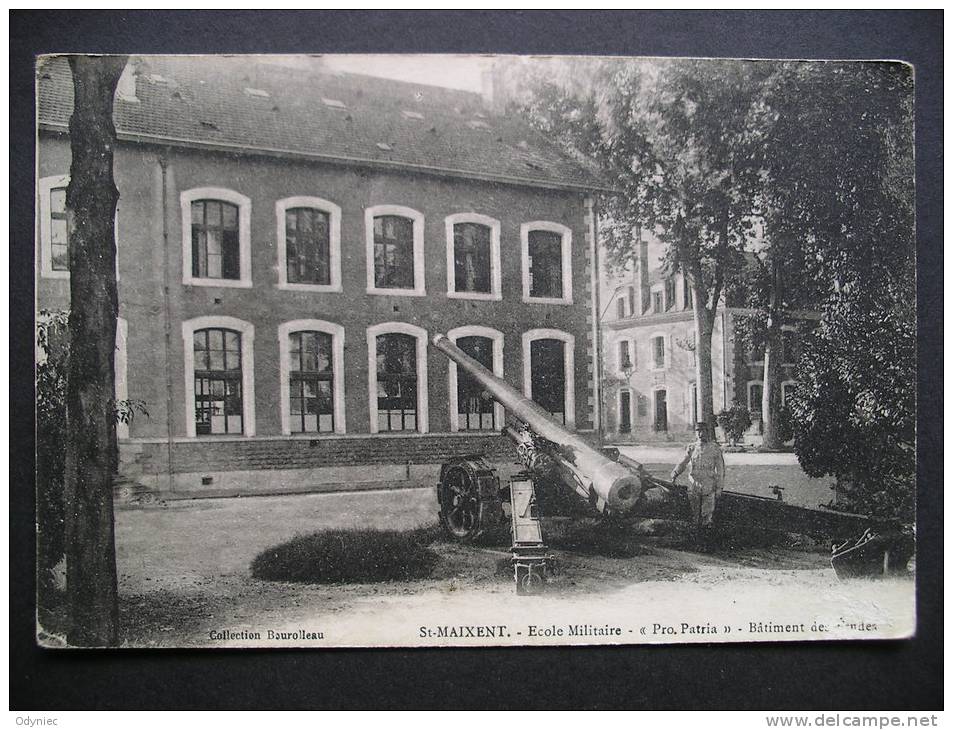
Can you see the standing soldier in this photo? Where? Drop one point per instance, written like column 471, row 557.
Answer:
column 706, row 476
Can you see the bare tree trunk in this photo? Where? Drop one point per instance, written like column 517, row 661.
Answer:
column 90, row 417
column 704, row 326
column 771, row 389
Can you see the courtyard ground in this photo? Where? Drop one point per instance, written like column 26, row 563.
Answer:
column 184, row 579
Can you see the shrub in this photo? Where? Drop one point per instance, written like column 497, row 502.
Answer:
column 734, row 422
column 349, row 556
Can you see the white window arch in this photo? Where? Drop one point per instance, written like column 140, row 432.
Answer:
column 243, row 203
column 452, row 376
column 493, row 225
column 333, row 212
column 45, row 213
column 247, row 332
column 566, row 255
column 285, row 329
column 388, row 328
column 417, row 219
column 569, row 367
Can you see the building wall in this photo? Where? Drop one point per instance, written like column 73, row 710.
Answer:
column 145, row 246
column 644, row 379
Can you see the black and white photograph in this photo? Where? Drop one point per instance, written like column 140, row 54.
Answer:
column 417, row 350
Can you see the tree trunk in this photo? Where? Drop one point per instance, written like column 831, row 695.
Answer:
column 773, row 355
column 90, row 417
column 704, row 326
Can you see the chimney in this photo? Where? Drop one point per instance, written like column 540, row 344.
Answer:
column 493, row 88
column 126, row 88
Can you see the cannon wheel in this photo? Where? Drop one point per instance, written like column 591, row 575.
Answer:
column 462, row 512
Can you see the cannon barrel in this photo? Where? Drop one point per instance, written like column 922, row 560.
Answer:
column 596, row 477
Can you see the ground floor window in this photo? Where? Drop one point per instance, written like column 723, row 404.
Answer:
column 474, row 412
column 755, row 394
column 661, row 410
column 549, row 376
column 217, row 361
column 625, row 411
column 311, row 382
column 396, row 382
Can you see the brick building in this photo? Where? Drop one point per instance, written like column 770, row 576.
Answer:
column 288, row 241
column 648, row 369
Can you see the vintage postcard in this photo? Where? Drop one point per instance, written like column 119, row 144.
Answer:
column 436, row 350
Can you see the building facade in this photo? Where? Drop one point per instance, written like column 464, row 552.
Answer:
column 649, row 376
column 288, row 242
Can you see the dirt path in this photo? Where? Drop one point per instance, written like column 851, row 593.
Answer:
column 184, row 581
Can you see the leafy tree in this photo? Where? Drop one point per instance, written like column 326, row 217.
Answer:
column 679, row 140
column 837, row 198
column 854, row 406
column 91, row 198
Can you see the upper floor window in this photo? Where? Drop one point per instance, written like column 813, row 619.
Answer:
column 631, row 293
column 788, row 347
column 658, row 352
column 54, row 233
column 547, row 262
column 394, row 250
column 669, row 293
column 686, row 294
column 215, row 251
column 473, row 256
column 657, row 302
column 309, row 244
column 620, row 308
column 216, row 240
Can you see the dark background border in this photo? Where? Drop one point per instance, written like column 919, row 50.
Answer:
column 884, row 675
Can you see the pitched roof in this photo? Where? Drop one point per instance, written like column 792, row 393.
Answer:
column 242, row 104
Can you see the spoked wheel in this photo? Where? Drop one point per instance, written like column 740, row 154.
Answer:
column 460, row 509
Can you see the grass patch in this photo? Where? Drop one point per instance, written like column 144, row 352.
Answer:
column 349, row 556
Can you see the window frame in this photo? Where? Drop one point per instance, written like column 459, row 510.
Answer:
column 247, row 331
column 339, row 407
column 633, row 360
column 333, row 211
column 417, row 218
column 402, row 328
column 45, row 187
column 569, row 364
column 654, row 414
column 496, row 292
column 623, row 393
column 666, row 351
column 225, row 195
column 759, row 383
column 566, row 249
column 784, row 384
column 453, row 374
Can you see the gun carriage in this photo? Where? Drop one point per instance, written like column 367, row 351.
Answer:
column 561, row 473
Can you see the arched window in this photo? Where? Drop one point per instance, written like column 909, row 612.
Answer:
column 397, row 375
column 216, row 237
column 218, row 381
column 311, row 353
column 547, row 262
column 309, row 244
column 219, row 376
column 469, row 411
column 473, row 256
column 549, row 372
column 395, row 250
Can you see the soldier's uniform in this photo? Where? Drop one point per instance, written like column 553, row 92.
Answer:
column 706, row 477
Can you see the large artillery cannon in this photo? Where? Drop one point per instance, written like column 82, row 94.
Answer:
column 557, row 463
